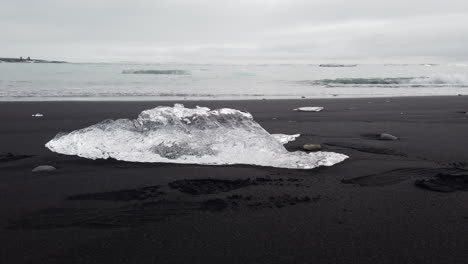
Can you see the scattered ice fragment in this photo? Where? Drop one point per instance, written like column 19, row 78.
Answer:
column 38, row 115
column 44, row 168
column 183, row 135
column 283, row 138
column 309, row 109
column 385, row 136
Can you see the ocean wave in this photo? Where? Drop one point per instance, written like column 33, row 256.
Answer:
column 438, row 80
column 65, row 95
column 337, row 65
column 162, row 72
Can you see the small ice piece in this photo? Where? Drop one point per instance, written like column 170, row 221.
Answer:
column 190, row 136
column 284, row 139
column 385, row 136
column 38, row 115
column 44, row 168
column 309, row 109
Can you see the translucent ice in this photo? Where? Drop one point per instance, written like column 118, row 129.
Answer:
column 284, row 139
column 182, row 135
column 309, row 109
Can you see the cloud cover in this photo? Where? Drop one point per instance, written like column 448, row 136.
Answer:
column 229, row 31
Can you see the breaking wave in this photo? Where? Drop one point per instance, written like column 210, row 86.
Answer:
column 194, row 136
column 337, row 65
column 163, row 72
column 441, row 80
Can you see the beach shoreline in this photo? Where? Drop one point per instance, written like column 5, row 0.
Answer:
column 178, row 99
column 366, row 209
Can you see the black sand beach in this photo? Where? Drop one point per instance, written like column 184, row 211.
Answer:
column 402, row 201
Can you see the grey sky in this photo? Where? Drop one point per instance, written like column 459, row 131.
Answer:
column 242, row 31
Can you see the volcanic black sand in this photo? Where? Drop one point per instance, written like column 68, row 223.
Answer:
column 403, row 201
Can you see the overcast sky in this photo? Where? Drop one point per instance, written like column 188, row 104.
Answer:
column 242, row 31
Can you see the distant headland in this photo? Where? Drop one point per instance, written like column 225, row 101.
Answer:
column 27, row 60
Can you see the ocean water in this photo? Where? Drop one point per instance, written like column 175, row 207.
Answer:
column 82, row 81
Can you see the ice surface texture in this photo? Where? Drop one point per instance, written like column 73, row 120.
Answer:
column 309, row 109
column 284, row 139
column 182, row 135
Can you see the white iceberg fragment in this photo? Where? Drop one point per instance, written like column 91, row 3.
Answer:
column 309, row 109
column 37, row 115
column 284, row 139
column 182, row 135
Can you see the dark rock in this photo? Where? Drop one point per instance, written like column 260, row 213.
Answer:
column 312, row 147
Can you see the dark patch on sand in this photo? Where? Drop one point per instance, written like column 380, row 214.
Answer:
column 126, row 216
column 396, row 176
column 371, row 136
column 277, row 181
column 122, row 195
column 213, row 186
column 445, row 182
column 384, row 178
column 208, row 186
column 11, row 157
column 155, row 203
column 279, row 201
column 151, row 204
column 366, row 149
column 147, row 212
column 282, row 201
column 455, row 164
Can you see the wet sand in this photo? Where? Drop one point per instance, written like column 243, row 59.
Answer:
column 402, row 201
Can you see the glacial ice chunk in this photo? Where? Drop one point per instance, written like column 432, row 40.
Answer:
column 284, row 139
column 309, row 109
column 183, row 135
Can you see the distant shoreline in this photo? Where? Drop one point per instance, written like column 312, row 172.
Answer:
column 19, row 60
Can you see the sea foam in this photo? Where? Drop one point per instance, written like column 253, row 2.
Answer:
column 161, row 72
column 421, row 81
